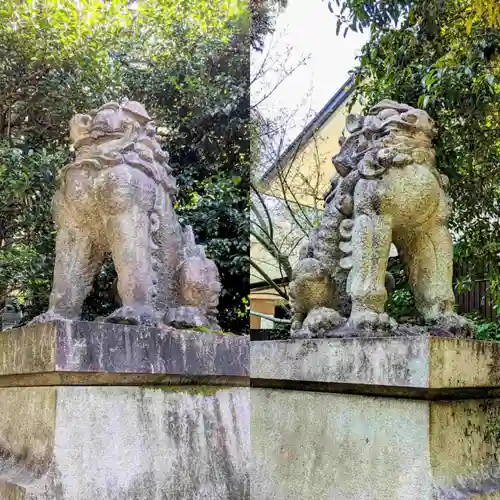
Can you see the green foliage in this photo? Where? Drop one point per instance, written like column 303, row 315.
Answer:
column 436, row 60
column 401, row 305
column 187, row 62
column 485, row 330
column 26, row 230
column 357, row 15
column 263, row 19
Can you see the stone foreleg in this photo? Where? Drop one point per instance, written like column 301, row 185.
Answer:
column 371, row 242
column 132, row 256
column 77, row 262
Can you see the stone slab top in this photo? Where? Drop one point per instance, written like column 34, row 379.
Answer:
column 87, row 353
column 417, row 367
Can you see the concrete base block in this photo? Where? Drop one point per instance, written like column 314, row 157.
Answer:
column 117, row 443
column 351, row 420
column 173, row 428
column 351, row 447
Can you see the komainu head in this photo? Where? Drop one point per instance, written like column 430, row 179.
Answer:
column 390, row 134
column 120, row 133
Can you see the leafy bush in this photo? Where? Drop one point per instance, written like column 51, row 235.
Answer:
column 485, row 330
column 402, row 306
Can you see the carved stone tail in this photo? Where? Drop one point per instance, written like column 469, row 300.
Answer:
column 331, row 245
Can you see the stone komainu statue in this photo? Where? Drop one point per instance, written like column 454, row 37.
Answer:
column 117, row 197
column 388, row 190
column 10, row 314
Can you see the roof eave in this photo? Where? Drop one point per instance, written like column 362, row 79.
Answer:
column 309, row 130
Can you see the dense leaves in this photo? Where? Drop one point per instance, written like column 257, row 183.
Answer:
column 187, row 62
column 357, row 15
column 263, row 19
column 429, row 54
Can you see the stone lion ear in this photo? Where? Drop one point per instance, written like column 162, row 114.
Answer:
column 354, row 123
column 387, row 113
column 109, row 105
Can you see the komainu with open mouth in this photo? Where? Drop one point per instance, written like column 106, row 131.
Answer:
column 117, row 197
column 388, row 191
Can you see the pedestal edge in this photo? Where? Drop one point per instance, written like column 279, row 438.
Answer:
column 431, row 367
column 81, row 351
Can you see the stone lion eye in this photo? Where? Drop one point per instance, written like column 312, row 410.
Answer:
column 411, row 118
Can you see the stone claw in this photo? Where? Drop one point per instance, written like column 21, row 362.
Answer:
column 318, row 323
column 133, row 316
column 46, row 317
column 187, row 317
column 295, row 328
column 453, row 323
column 370, row 320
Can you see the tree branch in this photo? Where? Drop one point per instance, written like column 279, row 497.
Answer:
column 268, row 279
column 271, row 247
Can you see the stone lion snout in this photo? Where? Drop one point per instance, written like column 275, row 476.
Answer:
column 79, row 127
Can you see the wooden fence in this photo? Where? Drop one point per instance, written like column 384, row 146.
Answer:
column 478, row 298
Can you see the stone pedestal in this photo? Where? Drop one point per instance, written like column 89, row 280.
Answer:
column 93, row 411
column 375, row 419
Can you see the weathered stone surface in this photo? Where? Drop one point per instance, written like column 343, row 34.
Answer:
column 199, row 286
column 348, row 447
column 417, row 366
column 124, row 443
column 117, row 197
column 11, row 492
column 387, row 191
column 76, row 352
column 164, row 420
column 334, row 430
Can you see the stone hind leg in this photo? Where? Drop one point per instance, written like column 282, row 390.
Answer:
column 129, row 235
column 371, row 243
column 77, row 262
column 428, row 257
column 428, row 260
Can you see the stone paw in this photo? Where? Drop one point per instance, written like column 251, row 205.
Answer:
column 46, row 317
column 186, row 317
column 319, row 322
column 370, row 320
column 452, row 323
column 133, row 316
